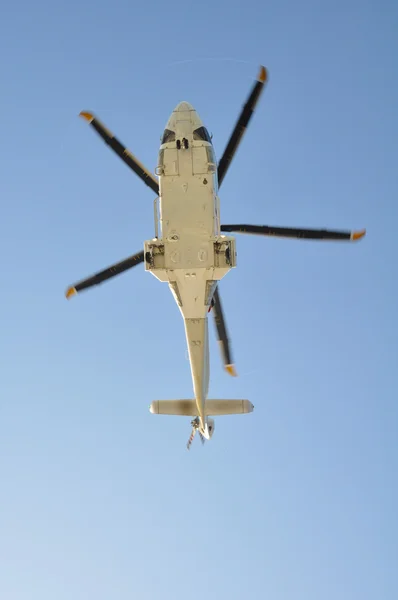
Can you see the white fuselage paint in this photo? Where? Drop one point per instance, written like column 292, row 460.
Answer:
column 189, row 252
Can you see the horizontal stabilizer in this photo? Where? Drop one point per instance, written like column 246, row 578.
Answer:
column 189, row 407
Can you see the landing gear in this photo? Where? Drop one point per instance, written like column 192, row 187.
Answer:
column 185, row 144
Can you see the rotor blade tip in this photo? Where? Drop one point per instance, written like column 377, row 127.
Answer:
column 231, row 370
column 70, row 292
column 357, row 235
column 263, row 74
column 86, row 115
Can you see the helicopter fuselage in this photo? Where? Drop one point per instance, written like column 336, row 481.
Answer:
column 188, row 251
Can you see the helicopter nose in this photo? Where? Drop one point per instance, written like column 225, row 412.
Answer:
column 184, row 107
column 184, row 119
column 185, row 112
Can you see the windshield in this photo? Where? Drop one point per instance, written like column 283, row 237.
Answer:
column 168, row 136
column 202, row 134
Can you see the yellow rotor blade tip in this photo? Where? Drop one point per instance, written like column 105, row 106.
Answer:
column 86, row 115
column 357, row 235
column 262, row 75
column 231, row 370
column 70, row 292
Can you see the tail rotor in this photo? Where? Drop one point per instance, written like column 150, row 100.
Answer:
column 195, row 428
column 191, row 438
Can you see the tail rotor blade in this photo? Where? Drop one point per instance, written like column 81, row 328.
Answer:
column 222, row 333
column 241, row 125
column 112, row 271
column 296, row 233
column 191, row 438
column 126, row 156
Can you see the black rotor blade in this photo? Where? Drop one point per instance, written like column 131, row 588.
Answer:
column 121, row 151
column 297, row 233
column 222, row 333
column 111, row 271
column 241, row 125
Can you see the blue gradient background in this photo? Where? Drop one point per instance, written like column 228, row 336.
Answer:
column 99, row 498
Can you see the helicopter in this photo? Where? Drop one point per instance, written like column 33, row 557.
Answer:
column 190, row 250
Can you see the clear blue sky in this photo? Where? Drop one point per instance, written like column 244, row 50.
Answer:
column 99, row 498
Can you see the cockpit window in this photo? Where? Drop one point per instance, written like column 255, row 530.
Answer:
column 202, row 134
column 168, row 136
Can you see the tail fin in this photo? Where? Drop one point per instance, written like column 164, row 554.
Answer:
column 212, row 407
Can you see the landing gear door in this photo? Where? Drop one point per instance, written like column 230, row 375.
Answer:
column 170, row 162
column 200, row 165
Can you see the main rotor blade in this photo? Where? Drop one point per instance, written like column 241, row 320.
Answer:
column 121, row 151
column 111, row 271
column 297, row 233
column 222, row 333
column 241, row 125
